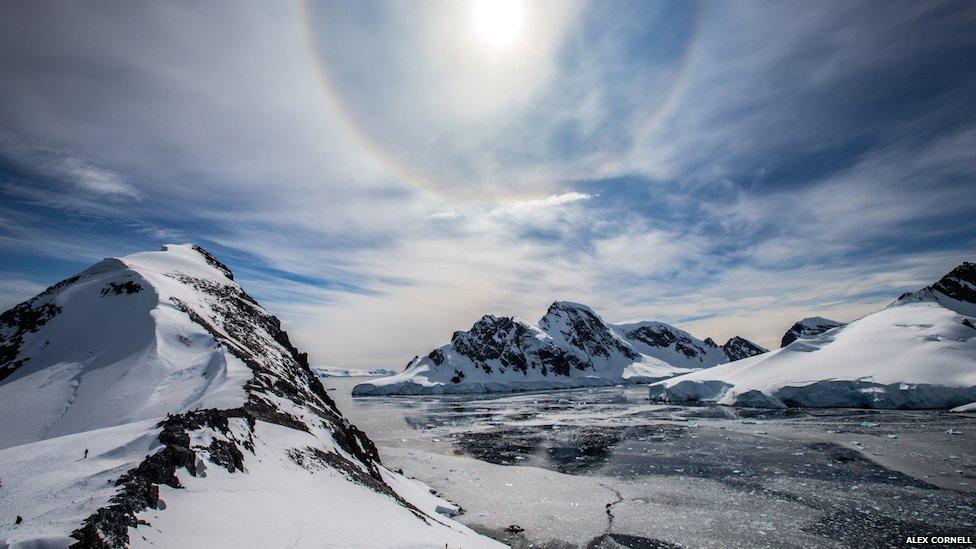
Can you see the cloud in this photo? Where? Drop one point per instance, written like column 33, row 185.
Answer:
column 92, row 178
column 72, row 174
column 723, row 167
column 444, row 216
column 528, row 206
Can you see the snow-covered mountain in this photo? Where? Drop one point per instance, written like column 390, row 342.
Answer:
column 149, row 400
column 808, row 327
column 571, row 347
column 919, row 352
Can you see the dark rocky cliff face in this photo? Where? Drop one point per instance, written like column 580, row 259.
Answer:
column 513, row 344
column 956, row 291
column 958, row 284
column 661, row 336
column 494, row 338
column 583, row 329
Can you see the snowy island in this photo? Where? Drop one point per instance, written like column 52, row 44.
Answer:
column 919, row 352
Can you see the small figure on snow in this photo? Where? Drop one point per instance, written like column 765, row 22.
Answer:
column 86, row 454
column 19, row 519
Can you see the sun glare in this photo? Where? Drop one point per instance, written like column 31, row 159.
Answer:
column 498, row 23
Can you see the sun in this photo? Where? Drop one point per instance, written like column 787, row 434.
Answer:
column 498, row 23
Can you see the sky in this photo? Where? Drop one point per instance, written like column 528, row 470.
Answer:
column 380, row 174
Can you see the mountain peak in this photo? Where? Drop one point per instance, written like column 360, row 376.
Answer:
column 212, row 261
column 956, row 291
column 569, row 306
column 808, row 327
column 578, row 326
column 737, row 348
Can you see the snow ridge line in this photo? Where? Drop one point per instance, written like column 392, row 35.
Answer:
column 280, row 376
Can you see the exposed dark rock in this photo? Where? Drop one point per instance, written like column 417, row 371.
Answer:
column 585, row 331
column 489, row 338
column 737, row 348
column 127, row 287
column 652, row 337
column 960, row 283
column 214, row 262
column 808, row 327
column 227, row 455
column 24, row 318
column 662, row 337
column 436, row 356
column 559, row 361
column 139, row 487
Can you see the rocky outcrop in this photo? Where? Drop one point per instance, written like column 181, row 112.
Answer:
column 955, row 291
column 737, row 348
column 578, row 327
column 808, row 327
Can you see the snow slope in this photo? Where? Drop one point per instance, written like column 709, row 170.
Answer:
column 571, row 347
column 151, row 389
column 74, row 372
column 916, row 353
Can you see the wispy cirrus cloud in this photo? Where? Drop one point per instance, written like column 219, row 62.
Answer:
column 89, row 177
column 522, row 207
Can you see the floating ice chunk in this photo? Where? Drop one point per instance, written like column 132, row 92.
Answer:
column 447, row 511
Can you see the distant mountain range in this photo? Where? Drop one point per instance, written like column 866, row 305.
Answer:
column 919, row 352
column 329, row 371
column 571, row 346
